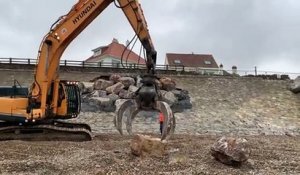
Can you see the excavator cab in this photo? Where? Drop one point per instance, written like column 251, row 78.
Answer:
column 71, row 93
column 68, row 101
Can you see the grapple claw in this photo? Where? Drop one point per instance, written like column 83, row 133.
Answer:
column 130, row 118
column 169, row 119
column 119, row 117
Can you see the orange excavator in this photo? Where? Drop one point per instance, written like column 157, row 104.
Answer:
column 41, row 113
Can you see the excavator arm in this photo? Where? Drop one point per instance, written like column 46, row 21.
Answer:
column 135, row 16
column 62, row 33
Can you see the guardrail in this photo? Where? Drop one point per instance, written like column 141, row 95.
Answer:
column 72, row 63
column 178, row 68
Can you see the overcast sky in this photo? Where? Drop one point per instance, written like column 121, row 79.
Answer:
column 245, row 33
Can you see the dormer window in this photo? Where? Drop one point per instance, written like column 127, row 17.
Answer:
column 207, row 62
column 177, row 61
column 97, row 52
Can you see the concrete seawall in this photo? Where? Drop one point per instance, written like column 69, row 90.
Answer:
column 25, row 75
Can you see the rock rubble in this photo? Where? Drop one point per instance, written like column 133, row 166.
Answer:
column 101, row 95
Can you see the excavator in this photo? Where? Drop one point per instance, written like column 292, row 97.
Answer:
column 42, row 113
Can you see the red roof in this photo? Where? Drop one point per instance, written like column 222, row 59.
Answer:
column 115, row 49
column 191, row 60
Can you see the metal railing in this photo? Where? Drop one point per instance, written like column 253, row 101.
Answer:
column 178, row 68
column 72, row 63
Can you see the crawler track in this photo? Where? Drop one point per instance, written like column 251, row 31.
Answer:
column 50, row 131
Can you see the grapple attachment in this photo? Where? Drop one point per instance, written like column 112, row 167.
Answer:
column 146, row 99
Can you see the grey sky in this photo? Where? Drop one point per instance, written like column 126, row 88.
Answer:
column 245, row 33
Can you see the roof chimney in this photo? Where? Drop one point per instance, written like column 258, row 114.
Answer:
column 115, row 40
column 127, row 43
column 234, row 70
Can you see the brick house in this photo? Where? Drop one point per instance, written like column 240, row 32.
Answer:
column 111, row 55
column 204, row 63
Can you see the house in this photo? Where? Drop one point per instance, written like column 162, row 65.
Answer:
column 111, row 55
column 203, row 63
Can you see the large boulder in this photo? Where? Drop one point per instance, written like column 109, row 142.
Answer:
column 126, row 94
column 230, row 151
column 86, row 87
column 113, row 97
column 96, row 104
column 132, row 88
column 181, row 94
column 158, row 84
column 98, row 93
column 168, row 97
column 102, row 103
column 181, row 105
column 127, row 81
column 114, row 78
column 295, row 87
column 102, row 84
column 93, row 101
column 115, row 89
column 142, row 145
column 167, row 84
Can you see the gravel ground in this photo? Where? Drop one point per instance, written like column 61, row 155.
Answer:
column 265, row 113
column 110, row 154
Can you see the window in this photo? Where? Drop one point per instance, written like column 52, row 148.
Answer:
column 177, row 61
column 207, row 62
column 97, row 52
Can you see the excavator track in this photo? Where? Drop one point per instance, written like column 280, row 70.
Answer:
column 72, row 125
column 52, row 131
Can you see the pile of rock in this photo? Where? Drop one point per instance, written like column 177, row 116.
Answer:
column 178, row 99
column 103, row 94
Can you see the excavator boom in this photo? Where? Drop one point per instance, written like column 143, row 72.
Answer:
column 67, row 28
